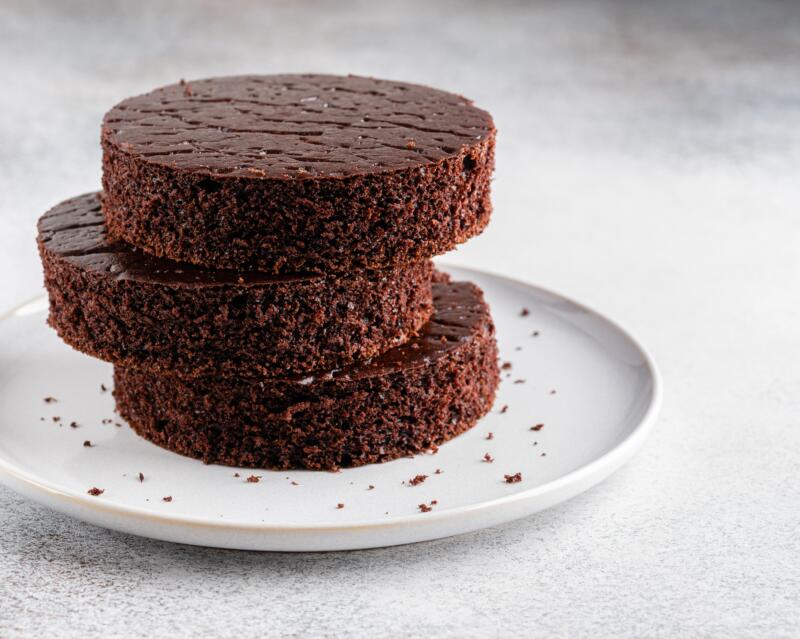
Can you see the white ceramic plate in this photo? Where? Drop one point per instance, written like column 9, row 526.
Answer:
column 593, row 387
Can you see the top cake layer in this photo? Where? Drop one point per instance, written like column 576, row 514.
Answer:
column 291, row 127
column 297, row 172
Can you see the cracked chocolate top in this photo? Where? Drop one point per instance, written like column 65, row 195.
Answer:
column 295, row 126
column 75, row 230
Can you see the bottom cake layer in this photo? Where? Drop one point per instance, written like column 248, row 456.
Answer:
column 405, row 401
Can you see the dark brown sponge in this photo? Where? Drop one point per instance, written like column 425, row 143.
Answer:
column 291, row 173
column 124, row 306
column 404, row 401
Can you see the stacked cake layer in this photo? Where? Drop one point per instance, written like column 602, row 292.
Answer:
column 125, row 306
column 258, row 268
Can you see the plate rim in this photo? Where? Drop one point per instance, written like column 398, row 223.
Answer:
column 610, row 461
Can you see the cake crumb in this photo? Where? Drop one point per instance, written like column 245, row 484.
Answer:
column 417, row 479
column 370, row 487
column 506, row 366
column 87, row 444
column 167, row 499
column 294, row 483
column 50, row 400
column 488, row 458
column 56, row 418
column 537, row 427
column 524, row 312
column 490, row 435
column 103, row 388
column 504, row 409
column 141, row 477
column 95, row 492
column 535, row 334
column 339, row 506
column 254, row 479
column 438, row 471
column 513, row 479
column 74, row 424
column 553, row 392
column 236, row 475
column 543, row 455
column 425, row 508
column 519, row 381
column 106, row 420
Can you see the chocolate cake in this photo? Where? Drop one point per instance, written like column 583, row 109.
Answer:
column 119, row 304
column 289, row 173
column 403, row 401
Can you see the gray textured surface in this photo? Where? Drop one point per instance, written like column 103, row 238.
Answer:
column 647, row 165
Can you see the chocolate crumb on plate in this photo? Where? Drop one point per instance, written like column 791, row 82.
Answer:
column 438, row 471
column 537, row 427
column 370, row 487
column 141, row 477
column 490, row 435
column 506, row 366
column 524, row 312
column 103, row 388
column 535, row 334
column 73, row 424
column 513, row 479
column 254, row 479
column 49, row 400
column 167, row 499
column 56, row 418
column 87, row 444
column 519, row 381
column 95, row 492
column 339, row 506
column 488, row 458
column 504, row 409
column 425, row 508
column 416, row 480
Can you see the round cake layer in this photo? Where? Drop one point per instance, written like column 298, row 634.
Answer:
column 125, row 306
column 404, row 401
column 297, row 172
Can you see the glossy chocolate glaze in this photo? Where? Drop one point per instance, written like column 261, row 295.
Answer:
column 295, row 126
column 75, row 230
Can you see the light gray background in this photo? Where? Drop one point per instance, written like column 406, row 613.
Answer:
column 648, row 163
